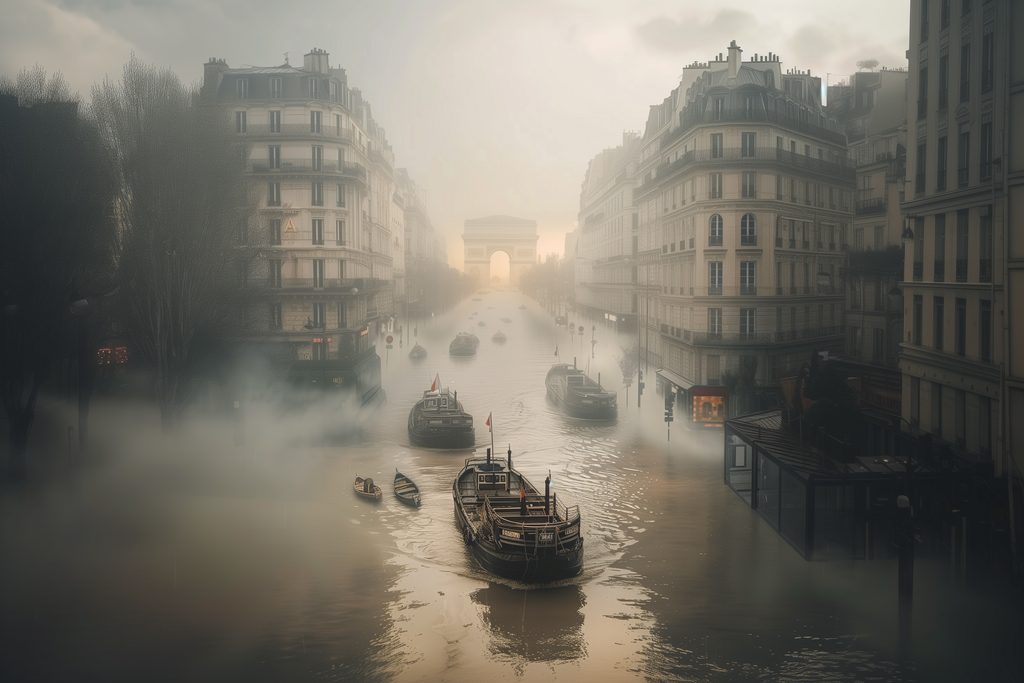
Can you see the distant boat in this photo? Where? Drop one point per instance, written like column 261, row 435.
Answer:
column 499, row 337
column 406, row 490
column 481, row 323
column 476, row 298
column 512, row 529
column 418, row 352
column 439, row 421
column 506, row 320
column 365, row 488
column 578, row 395
column 464, row 344
column 522, row 307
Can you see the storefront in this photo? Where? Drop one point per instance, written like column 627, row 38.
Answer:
column 701, row 405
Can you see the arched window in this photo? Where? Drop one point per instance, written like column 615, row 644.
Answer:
column 748, row 230
column 715, row 231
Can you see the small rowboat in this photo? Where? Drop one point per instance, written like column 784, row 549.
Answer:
column 406, row 490
column 365, row 488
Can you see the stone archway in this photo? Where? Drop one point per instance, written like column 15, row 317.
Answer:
column 483, row 237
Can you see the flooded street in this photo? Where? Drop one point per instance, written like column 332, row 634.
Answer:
column 214, row 562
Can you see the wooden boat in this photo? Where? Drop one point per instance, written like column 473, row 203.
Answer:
column 365, row 488
column 578, row 395
column 481, row 323
column 406, row 490
column 439, row 421
column 522, row 307
column 499, row 337
column 512, row 529
column 464, row 344
column 417, row 352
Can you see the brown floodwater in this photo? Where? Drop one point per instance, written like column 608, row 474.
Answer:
column 188, row 557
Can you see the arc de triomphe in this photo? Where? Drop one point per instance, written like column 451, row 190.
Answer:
column 482, row 237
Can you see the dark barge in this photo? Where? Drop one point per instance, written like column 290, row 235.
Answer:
column 513, row 530
column 578, row 395
column 439, row 421
column 464, row 344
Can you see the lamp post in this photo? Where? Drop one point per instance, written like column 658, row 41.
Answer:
column 80, row 309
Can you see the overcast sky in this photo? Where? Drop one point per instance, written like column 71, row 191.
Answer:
column 494, row 106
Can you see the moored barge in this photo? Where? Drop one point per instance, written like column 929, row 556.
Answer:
column 578, row 395
column 439, row 421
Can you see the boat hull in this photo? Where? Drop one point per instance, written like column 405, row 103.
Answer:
column 574, row 407
column 450, row 438
column 518, row 566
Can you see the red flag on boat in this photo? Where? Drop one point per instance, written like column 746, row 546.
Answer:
column 436, row 386
column 488, row 423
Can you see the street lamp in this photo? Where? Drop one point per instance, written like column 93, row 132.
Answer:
column 908, row 233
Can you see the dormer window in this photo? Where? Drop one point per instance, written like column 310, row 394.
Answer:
column 242, row 85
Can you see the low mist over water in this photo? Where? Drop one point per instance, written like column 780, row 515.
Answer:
column 184, row 556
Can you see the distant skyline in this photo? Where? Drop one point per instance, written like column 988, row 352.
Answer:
column 494, row 107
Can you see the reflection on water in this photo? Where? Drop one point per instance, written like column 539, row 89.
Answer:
column 533, row 625
column 193, row 559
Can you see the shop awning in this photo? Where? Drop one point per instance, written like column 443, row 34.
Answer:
column 676, row 379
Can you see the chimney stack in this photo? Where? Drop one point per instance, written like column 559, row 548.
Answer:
column 735, row 53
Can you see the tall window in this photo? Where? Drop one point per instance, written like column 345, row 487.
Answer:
column 936, row 425
column 340, row 195
column 942, row 153
column 275, row 87
column 240, row 122
column 714, row 322
column 748, row 142
column 319, row 315
column 315, row 121
column 939, row 273
column 318, row 194
column 944, row 14
column 274, row 274
column 915, row 401
column 318, row 273
column 275, row 122
column 965, row 7
column 965, row 72
column 985, row 245
column 987, row 58
column 924, row 20
column 961, row 245
column 748, row 277
column 314, row 88
column 318, row 157
column 878, row 346
column 960, row 417
column 715, row 186
column 242, row 85
column 922, row 91
column 275, row 231
column 718, row 108
column 939, row 320
column 919, row 173
column 943, row 80
column 342, row 316
column 779, row 191
column 339, row 232
column 274, row 193
column 715, row 231
column 918, row 316
column 963, row 159
column 274, row 156
column 918, row 264
column 748, row 322
column 986, row 151
column 318, row 231
column 276, row 322
column 985, row 330
column 749, row 185
column 748, row 230
column 714, row 277
column 716, row 146
column 960, row 319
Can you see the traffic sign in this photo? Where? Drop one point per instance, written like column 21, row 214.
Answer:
column 389, row 339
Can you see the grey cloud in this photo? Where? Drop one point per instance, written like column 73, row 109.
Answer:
column 663, row 33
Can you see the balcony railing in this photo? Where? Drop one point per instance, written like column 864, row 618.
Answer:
column 287, row 166
column 868, row 207
column 714, row 240
column 842, row 169
column 962, row 177
column 748, row 240
column 298, row 129
column 739, row 338
column 985, row 270
column 694, row 116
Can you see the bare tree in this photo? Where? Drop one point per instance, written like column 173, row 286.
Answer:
column 55, row 239
column 179, row 205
